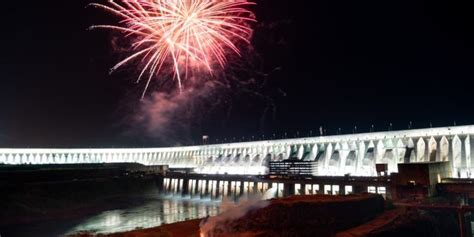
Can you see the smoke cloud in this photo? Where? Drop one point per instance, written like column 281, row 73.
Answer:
column 168, row 117
column 233, row 211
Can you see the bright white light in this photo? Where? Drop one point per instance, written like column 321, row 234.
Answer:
column 367, row 149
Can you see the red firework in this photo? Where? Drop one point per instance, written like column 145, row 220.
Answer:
column 185, row 35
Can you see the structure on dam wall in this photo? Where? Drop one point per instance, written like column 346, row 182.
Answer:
column 354, row 154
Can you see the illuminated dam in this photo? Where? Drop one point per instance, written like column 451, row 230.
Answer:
column 354, row 154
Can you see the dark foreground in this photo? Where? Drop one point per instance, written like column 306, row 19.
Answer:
column 365, row 215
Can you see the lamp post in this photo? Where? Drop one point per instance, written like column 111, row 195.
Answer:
column 205, row 139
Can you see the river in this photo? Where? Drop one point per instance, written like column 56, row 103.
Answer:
column 151, row 213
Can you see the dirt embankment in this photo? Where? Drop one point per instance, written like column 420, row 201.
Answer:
column 304, row 216
column 322, row 216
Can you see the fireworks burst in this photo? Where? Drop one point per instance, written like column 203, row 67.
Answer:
column 182, row 35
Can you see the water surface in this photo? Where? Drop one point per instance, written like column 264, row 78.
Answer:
column 155, row 211
column 151, row 214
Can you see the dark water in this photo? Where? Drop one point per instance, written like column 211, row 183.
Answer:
column 153, row 212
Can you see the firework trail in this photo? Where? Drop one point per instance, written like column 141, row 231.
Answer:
column 185, row 36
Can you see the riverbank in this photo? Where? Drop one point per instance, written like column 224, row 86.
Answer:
column 290, row 216
column 374, row 228
column 265, row 222
column 191, row 228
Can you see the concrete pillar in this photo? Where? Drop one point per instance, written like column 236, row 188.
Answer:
column 327, row 157
column 316, row 189
column 323, row 190
column 214, row 188
column 456, row 145
column 467, row 155
column 170, row 186
column 343, row 153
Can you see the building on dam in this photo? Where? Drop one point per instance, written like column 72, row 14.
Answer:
column 341, row 155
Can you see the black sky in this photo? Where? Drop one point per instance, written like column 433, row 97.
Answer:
column 329, row 63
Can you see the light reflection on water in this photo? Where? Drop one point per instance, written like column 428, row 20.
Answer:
column 151, row 214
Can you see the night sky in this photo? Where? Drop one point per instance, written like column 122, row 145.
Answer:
column 336, row 64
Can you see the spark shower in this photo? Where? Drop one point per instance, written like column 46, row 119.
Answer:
column 179, row 38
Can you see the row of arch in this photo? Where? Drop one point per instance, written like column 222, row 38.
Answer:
column 334, row 158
